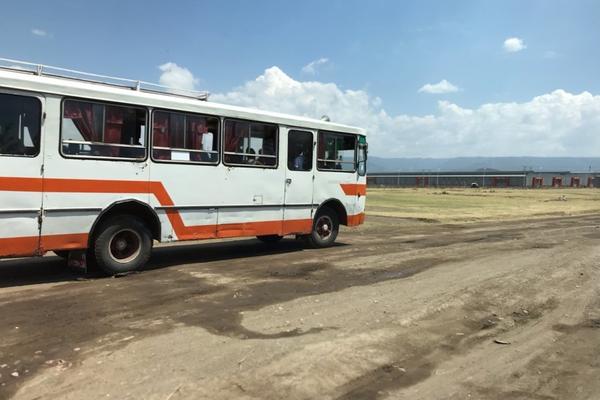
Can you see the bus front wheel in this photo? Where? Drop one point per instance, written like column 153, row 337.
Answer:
column 325, row 228
column 123, row 244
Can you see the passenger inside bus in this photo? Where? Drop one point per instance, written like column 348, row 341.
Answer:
column 94, row 129
column 184, row 137
column 300, row 145
column 201, row 138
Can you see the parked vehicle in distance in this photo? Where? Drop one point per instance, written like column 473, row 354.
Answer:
column 111, row 167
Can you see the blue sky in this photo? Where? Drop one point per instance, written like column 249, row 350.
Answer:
column 386, row 50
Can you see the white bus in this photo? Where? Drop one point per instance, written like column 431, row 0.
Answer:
column 102, row 166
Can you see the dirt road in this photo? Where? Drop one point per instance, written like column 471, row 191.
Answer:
column 397, row 310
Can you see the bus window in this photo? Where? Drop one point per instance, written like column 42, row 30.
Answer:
column 300, row 151
column 19, row 125
column 106, row 131
column 185, row 137
column 336, row 151
column 250, row 143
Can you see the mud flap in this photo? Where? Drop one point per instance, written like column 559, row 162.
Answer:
column 77, row 261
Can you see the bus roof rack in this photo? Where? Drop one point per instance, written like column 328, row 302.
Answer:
column 58, row 72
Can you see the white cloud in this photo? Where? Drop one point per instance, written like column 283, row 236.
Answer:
column 39, row 32
column 554, row 124
column 514, row 44
column 177, row 77
column 441, row 87
column 311, row 67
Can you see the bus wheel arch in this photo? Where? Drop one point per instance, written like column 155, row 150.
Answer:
column 131, row 207
column 338, row 207
column 121, row 238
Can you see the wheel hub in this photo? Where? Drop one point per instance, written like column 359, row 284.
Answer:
column 125, row 245
column 323, row 227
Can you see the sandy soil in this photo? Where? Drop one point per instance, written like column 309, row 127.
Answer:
column 400, row 311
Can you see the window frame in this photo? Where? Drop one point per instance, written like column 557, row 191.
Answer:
column 38, row 97
column 312, row 148
column 250, row 121
column 355, row 136
column 103, row 158
column 217, row 134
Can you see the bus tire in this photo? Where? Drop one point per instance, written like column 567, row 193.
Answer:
column 269, row 239
column 325, row 228
column 122, row 244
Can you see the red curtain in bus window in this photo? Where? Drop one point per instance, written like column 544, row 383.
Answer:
column 113, row 129
column 196, row 128
column 82, row 116
column 321, row 146
column 232, row 139
column 161, row 136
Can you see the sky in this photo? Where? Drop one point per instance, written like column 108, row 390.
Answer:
column 424, row 78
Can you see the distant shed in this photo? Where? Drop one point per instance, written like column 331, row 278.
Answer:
column 448, row 179
column 539, row 179
column 484, row 178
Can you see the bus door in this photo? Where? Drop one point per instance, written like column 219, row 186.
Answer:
column 250, row 195
column 21, row 160
column 299, row 178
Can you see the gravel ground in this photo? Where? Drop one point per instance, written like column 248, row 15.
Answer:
column 398, row 310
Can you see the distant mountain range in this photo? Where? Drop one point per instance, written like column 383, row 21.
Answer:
column 378, row 164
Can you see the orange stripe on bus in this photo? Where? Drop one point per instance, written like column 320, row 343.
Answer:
column 64, row 242
column 19, row 246
column 32, row 245
column 21, row 184
column 28, row 245
column 355, row 220
column 95, row 186
column 281, row 227
column 183, row 232
column 353, row 189
column 297, row 226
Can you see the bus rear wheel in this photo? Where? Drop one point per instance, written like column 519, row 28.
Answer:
column 122, row 244
column 325, row 228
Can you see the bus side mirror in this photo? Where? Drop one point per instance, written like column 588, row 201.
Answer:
column 361, row 161
column 364, row 147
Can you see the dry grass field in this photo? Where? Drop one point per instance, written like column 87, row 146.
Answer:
column 472, row 205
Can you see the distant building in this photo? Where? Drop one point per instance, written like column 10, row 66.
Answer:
column 485, row 178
